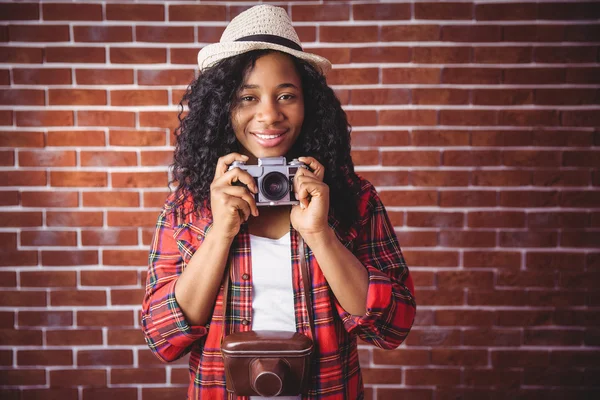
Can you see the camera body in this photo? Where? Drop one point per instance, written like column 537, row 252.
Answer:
column 274, row 178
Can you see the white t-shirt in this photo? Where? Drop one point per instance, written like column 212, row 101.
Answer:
column 272, row 289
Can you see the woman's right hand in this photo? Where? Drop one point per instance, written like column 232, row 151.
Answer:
column 231, row 204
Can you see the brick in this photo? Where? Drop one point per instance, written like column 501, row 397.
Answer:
column 442, row 11
column 109, row 237
column 380, row 138
column 353, row 76
column 184, row 56
column 521, row 358
column 433, row 376
column 466, row 75
column 135, row 12
column 411, row 75
column 502, row 55
column 370, row 12
column 362, row 118
column 441, row 55
column 164, row 393
column 40, row 33
column 476, row 158
column 8, row 240
column 197, row 12
column 72, row 12
column 105, row 318
column 439, row 178
column 78, row 179
column 128, row 219
column 109, row 278
column 152, row 158
column 530, row 76
column 20, row 219
column 47, row 158
column 552, row 337
column 136, row 138
column 23, row 178
column 491, row 259
column 401, row 356
column 575, row 280
column 366, row 157
column 554, row 261
column 137, row 375
column 574, row 198
column 549, row 220
column 462, row 357
column 490, row 377
column 74, row 337
column 379, row 96
column 464, row 279
column 158, row 119
column 48, row 238
column 343, row 34
column 70, row 258
column 471, row 33
column 178, row 77
column 408, row 117
column 410, row 198
column 21, row 55
column 496, row 337
column 103, row 34
column 580, row 118
column 75, row 55
column 45, row 357
column 20, row 337
column 441, row 297
column 77, row 298
column 582, row 75
column 139, row 179
column 24, row 97
column 138, row 97
column 387, row 178
column 432, row 258
column 533, row 33
column 580, row 239
column 528, row 199
column 125, row 336
column 74, row 218
column 464, row 317
column 12, row 258
column 559, row 54
column 104, row 76
column 212, row 34
column 23, row 376
column 439, row 138
column 130, row 55
column 566, row 10
column 410, row 33
column 77, row 97
column 440, row 96
column 435, row 219
column 164, row 34
column 104, row 357
column 411, row 158
column 106, row 118
column 8, row 278
column 561, row 178
column 76, row 377
column 432, row 337
column 566, row 96
column 127, row 297
column 380, row 55
column 505, row 12
column 496, row 219
column 385, row 376
column 45, row 76
column 468, row 117
column 48, row 278
column 10, row 298
column 501, row 178
column 508, row 97
column 44, row 118
column 50, row 394
column 154, row 199
column 45, row 318
column 76, row 138
column 111, row 199
column 108, row 158
column 19, row 11
column 125, row 257
column 21, row 139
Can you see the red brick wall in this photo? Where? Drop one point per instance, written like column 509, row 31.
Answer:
column 478, row 122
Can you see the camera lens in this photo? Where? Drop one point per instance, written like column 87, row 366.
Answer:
column 275, row 186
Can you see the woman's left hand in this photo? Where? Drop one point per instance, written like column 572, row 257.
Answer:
column 310, row 216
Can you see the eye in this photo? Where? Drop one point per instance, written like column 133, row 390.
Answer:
column 286, row 97
column 246, row 98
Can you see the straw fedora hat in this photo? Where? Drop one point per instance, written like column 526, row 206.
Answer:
column 259, row 27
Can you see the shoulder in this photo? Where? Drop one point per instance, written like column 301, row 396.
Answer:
column 179, row 209
column 368, row 200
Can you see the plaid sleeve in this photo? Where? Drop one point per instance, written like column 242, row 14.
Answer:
column 165, row 328
column 391, row 303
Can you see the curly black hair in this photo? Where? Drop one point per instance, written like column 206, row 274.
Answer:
column 206, row 132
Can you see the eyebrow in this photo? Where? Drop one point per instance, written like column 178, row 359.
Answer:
column 280, row 86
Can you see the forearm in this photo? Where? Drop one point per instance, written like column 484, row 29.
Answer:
column 198, row 285
column 345, row 274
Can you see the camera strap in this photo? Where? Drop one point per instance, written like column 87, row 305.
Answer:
column 304, row 273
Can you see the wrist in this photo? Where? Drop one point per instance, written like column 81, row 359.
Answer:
column 322, row 238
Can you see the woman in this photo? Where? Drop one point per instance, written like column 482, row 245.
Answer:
column 259, row 95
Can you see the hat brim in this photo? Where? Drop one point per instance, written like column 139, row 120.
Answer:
column 216, row 52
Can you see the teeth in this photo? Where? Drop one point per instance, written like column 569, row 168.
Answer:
column 268, row 136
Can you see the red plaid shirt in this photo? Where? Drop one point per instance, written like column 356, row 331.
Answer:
column 335, row 369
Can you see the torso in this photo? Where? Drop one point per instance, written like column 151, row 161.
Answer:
column 272, row 222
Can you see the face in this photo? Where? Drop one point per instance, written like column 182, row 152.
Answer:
column 268, row 117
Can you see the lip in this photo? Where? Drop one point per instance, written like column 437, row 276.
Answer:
column 264, row 142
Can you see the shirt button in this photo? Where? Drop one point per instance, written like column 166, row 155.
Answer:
column 245, row 277
column 199, row 237
column 245, row 322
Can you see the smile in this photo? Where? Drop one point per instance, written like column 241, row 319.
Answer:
column 267, row 137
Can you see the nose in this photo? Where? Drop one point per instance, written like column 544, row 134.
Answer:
column 268, row 112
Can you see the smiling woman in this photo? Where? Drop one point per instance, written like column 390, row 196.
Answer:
column 306, row 279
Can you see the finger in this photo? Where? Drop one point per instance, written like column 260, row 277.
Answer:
column 238, row 175
column 224, row 162
column 237, row 205
column 316, row 167
column 242, row 193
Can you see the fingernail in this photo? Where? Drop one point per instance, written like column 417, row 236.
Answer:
column 302, row 206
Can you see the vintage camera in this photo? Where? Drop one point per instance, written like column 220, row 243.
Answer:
column 274, row 178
